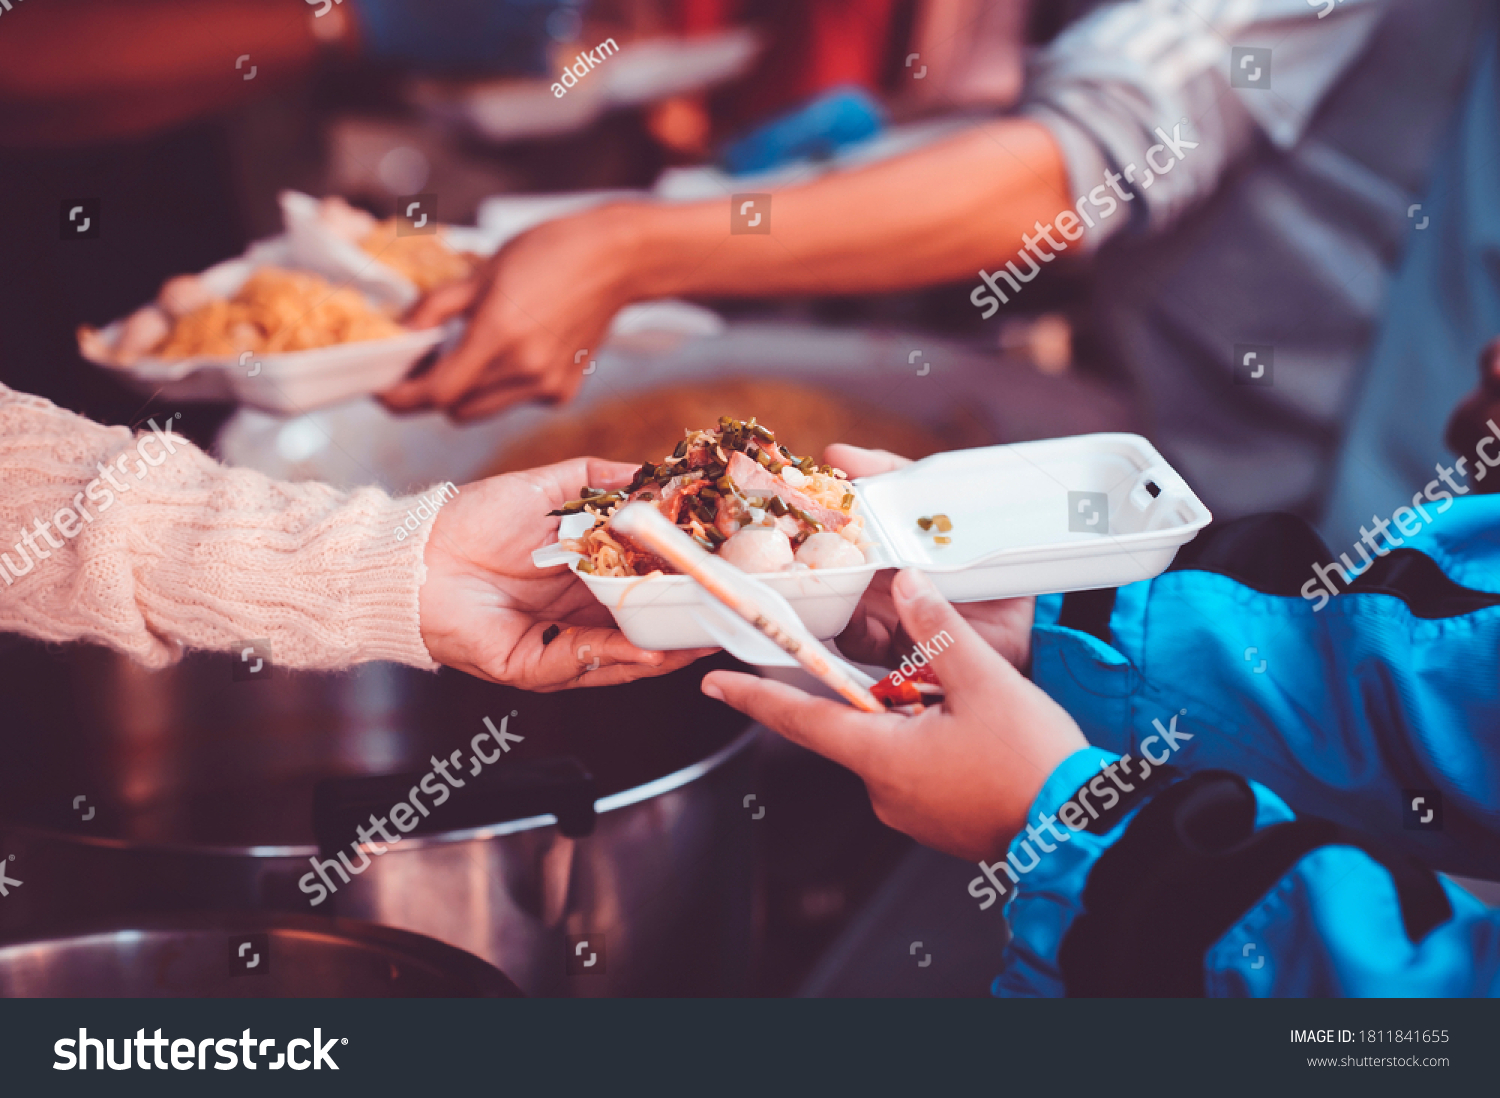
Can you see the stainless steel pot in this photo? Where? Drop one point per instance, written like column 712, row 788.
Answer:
column 239, row 956
column 128, row 792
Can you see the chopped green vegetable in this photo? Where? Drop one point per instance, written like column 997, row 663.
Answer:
column 848, row 501
column 803, row 516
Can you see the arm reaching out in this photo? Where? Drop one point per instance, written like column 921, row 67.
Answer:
column 552, row 291
column 146, row 544
column 1120, row 877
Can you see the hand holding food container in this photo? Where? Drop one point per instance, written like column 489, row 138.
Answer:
column 991, row 523
column 487, row 612
column 321, row 313
column 875, row 634
column 539, row 301
column 959, row 777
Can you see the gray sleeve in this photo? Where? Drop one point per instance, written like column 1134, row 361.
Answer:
column 1112, row 80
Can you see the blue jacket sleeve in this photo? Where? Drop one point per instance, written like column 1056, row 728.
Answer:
column 1351, row 704
column 1091, row 916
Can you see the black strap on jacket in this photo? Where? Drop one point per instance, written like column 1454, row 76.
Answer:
column 1275, row 554
column 1187, row 869
column 1088, row 612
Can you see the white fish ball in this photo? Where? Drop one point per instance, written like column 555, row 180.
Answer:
column 757, row 549
column 829, row 550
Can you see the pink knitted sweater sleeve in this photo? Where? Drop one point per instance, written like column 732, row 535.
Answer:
column 146, row 544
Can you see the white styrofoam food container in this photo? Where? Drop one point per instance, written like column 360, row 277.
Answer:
column 288, row 383
column 303, row 381
column 1027, row 520
column 315, row 247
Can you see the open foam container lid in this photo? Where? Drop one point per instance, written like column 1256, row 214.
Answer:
column 1070, row 501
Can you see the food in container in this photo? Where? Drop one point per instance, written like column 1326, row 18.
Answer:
column 737, row 492
column 769, row 617
column 424, row 259
column 939, row 526
column 1014, row 530
column 275, row 311
column 351, row 246
column 256, row 330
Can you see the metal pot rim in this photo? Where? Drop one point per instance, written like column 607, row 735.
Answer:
column 458, row 964
column 615, row 801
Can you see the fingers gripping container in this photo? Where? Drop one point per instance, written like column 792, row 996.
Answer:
column 1066, row 514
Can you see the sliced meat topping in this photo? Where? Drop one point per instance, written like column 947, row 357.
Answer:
column 674, row 493
column 751, row 479
column 640, row 560
column 727, row 517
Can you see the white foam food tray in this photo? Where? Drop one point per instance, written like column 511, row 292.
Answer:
column 289, row 383
column 1032, row 518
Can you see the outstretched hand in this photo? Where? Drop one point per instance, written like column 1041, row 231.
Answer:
column 960, row 777
column 487, row 610
column 539, row 309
